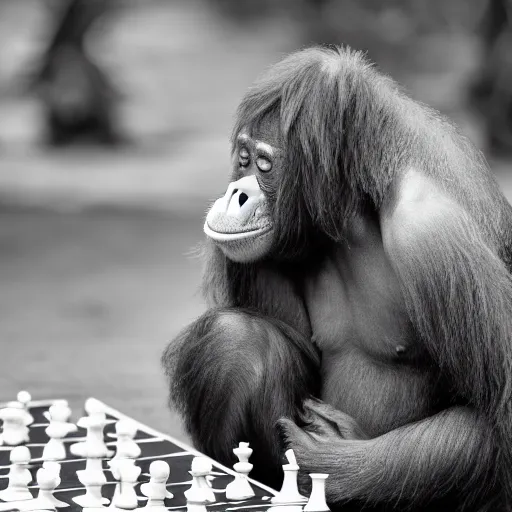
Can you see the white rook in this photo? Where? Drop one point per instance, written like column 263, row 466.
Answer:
column 317, row 501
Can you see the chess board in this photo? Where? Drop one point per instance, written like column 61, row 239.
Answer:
column 154, row 446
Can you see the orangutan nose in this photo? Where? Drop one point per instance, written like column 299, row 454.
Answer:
column 241, row 195
column 242, row 198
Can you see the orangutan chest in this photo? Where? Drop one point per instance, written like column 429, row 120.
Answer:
column 374, row 366
column 355, row 301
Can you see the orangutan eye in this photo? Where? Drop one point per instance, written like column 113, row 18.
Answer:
column 243, row 157
column 264, row 164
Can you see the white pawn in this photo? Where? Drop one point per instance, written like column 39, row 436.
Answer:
column 65, row 413
column 114, row 468
column 202, row 468
column 48, row 481
column 126, row 498
column 15, row 431
column 54, row 467
column 317, row 501
column 60, row 411
column 289, row 492
column 94, row 407
column 56, row 431
column 94, row 446
column 95, row 411
column 24, row 399
column 63, row 403
column 93, row 481
column 19, row 476
column 200, row 493
column 240, row 488
column 126, row 447
column 155, row 490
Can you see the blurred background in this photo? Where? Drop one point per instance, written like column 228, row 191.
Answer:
column 115, row 118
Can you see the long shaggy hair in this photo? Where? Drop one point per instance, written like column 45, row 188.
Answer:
column 348, row 135
column 348, row 131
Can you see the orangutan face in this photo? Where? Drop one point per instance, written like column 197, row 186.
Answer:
column 240, row 222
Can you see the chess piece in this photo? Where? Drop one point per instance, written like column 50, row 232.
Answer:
column 127, row 450
column 126, row 447
column 61, row 412
column 114, row 465
column 94, row 410
column 93, row 481
column 64, row 413
column 15, row 431
column 289, row 492
column 201, row 469
column 56, row 431
column 93, row 407
column 48, row 481
column 240, row 488
column 54, row 467
column 155, row 490
column 24, row 399
column 94, row 450
column 63, row 404
column 317, row 501
column 19, row 476
column 93, row 464
column 94, row 445
column 200, row 493
column 126, row 498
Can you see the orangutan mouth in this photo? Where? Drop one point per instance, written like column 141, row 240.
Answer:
column 224, row 236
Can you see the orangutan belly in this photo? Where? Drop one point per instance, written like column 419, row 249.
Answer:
column 380, row 397
column 374, row 368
